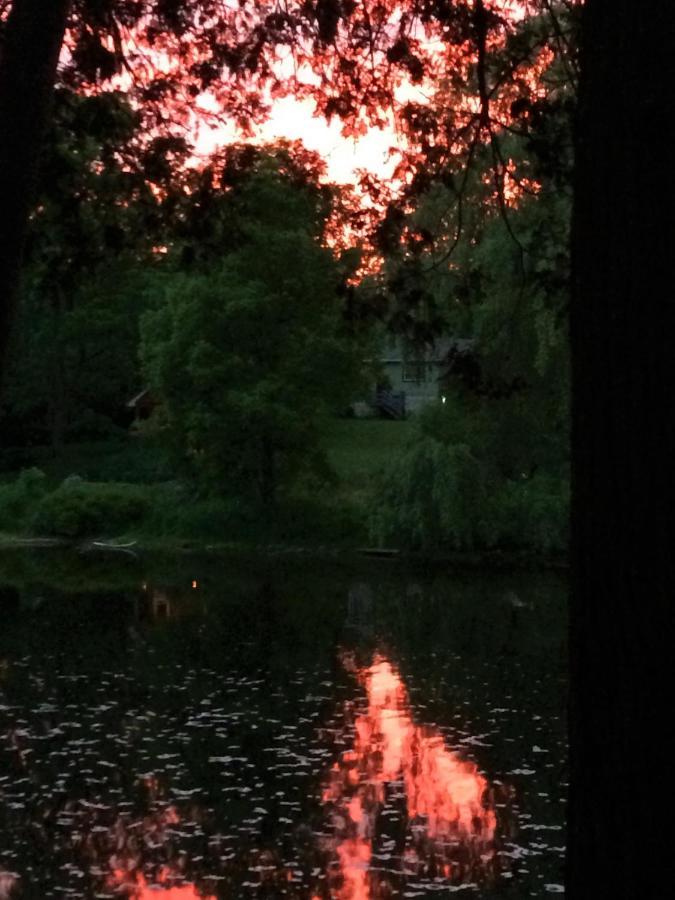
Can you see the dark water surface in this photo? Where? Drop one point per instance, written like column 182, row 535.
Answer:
column 173, row 730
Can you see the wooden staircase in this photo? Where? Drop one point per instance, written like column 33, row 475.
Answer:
column 390, row 404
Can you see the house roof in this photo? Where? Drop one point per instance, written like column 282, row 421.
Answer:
column 140, row 396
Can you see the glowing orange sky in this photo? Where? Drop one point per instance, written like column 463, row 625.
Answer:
column 293, row 119
column 290, row 117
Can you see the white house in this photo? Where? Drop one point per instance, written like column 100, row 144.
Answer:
column 411, row 379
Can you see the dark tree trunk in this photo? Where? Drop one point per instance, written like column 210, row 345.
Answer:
column 268, row 474
column 58, row 393
column 28, row 59
column 623, row 452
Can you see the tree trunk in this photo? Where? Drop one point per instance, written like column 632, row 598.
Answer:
column 58, row 396
column 623, row 454
column 28, row 59
column 57, row 409
column 268, row 474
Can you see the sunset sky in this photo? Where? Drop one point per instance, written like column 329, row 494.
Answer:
column 294, row 119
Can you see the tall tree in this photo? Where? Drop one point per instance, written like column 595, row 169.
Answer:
column 623, row 515
column 248, row 349
column 29, row 53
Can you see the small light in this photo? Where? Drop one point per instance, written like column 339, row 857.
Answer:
column 194, row 585
column 442, row 399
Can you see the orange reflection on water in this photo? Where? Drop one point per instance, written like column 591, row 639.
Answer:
column 137, row 887
column 445, row 795
column 126, row 877
column 354, row 855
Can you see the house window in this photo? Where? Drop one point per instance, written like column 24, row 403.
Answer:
column 414, row 371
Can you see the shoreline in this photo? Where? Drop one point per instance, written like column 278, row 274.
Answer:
column 130, row 545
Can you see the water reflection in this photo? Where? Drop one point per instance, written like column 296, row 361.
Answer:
column 7, row 882
column 449, row 821
column 138, row 888
column 158, row 602
column 127, row 854
column 178, row 742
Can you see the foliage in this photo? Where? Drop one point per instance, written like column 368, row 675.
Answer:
column 73, row 369
column 497, row 65
column 74, row 360
column 441, row 495
column 456, row 78
column 431, row 495
column 19, row 497
column 245, row 343
column 488, row 465
column 248, row 355
column 533, row 513
column 218, row 206
column 79, row 508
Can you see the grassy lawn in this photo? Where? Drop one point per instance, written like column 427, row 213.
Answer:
column 123, row 459
column 133, row 482
column 359, row 448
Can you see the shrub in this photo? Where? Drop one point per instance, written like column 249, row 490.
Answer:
column 18, row 497
column 80, row 508
column 532, row 513
column 436, row 495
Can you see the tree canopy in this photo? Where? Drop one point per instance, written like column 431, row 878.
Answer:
column 248, row 349
column 453, row 78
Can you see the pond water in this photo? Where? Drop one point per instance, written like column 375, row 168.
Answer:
column 183, row 729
